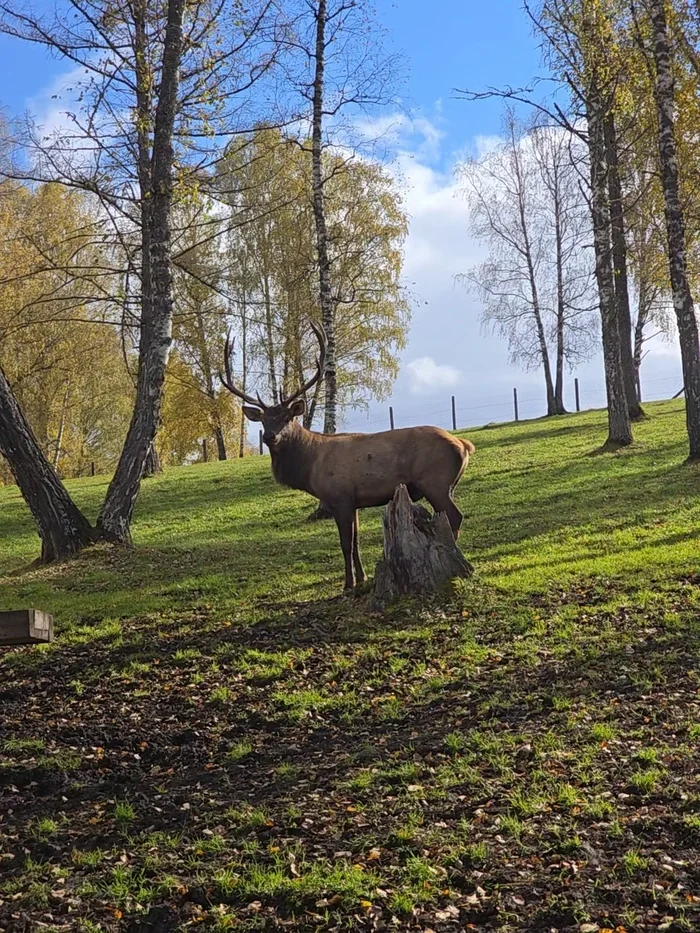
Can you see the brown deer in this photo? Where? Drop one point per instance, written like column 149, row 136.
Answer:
column 347, row 472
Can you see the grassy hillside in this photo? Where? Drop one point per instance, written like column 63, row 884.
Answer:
column 218, row 740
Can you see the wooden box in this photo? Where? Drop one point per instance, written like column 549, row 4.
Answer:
column 25, row 627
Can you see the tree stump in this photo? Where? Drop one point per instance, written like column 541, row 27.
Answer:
column 420, row 552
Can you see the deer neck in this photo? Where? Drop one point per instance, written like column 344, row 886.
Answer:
column 293, row 459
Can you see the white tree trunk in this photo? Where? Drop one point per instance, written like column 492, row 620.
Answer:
column 114, row 521
column 675, row 225
column 324, row 266
column 619, row 424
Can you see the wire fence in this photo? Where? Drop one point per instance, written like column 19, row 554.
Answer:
column 457, row 411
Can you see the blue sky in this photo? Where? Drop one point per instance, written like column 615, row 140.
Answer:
column 456, row 44
column 446, row 44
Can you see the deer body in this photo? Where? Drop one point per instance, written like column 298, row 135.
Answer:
column 347, row 472
column 365, row 469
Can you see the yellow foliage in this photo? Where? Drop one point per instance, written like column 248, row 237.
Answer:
column 66, row 369
column 190, row 415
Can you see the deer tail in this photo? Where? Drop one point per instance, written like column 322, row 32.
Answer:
column 468, row 446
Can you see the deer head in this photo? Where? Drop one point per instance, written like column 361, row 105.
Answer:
column 275, row 419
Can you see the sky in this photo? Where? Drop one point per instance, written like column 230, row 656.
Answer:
column 445, row 45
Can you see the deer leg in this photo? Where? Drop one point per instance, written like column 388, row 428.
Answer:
column 346, row 530
column 445, row 504
column 455, row 518
column 357, row 560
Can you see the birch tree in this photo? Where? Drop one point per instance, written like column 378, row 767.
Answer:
column 568, row 262
column 662, row 58
column 581, row 49
column 535, row 283
column 340, row 71
column 163, row 85
column 273, row 274
column 578, row 42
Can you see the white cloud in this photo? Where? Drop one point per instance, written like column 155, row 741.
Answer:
column 485, row 145
column 426, row 375
column 388, row 127
column 49, row 108
column 400, row 134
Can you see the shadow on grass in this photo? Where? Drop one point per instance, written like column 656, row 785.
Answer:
column 164, row 739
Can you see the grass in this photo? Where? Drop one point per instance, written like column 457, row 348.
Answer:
column 218, row 740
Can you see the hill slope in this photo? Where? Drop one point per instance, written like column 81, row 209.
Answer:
column 217, row 740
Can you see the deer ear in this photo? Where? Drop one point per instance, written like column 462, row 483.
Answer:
column 252, row 414
column 297, row 408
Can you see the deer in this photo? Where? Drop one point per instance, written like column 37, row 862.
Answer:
column 348, row 472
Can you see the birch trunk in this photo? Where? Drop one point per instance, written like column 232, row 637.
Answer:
column 220, row 444
column 675, row 224
column 561, row 301
column 619, row 256
column 532, row 275
column 62, row 527
column 244, row 375
column 559, row 381
column 270, row 347
column 324, row 268
column 640, row 324
column 156, row 323
column 208, row 374
column 61, row 428
column 619, row 424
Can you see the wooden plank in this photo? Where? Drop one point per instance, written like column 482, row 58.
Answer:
column 25, row 627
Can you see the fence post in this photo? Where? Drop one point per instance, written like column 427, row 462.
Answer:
column 515, row 403
column 391, row 417
column 260, row 443
column 92, row 468
column 578, row 397
column 454, row 415
column 204, row 449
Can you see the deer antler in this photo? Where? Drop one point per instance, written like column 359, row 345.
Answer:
column 320, row 364
column 228, row 380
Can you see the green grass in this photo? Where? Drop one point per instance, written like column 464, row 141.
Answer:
column 219, row 737
column 540, row 506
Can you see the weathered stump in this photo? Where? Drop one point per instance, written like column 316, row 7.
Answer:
column 420, row 552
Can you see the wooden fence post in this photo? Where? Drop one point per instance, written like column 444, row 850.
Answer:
column 515, row 403
column 92, row 468
column 391, row 417
column 454, row 415
column 204, row 449
column 578, row 397
column 260, row 443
